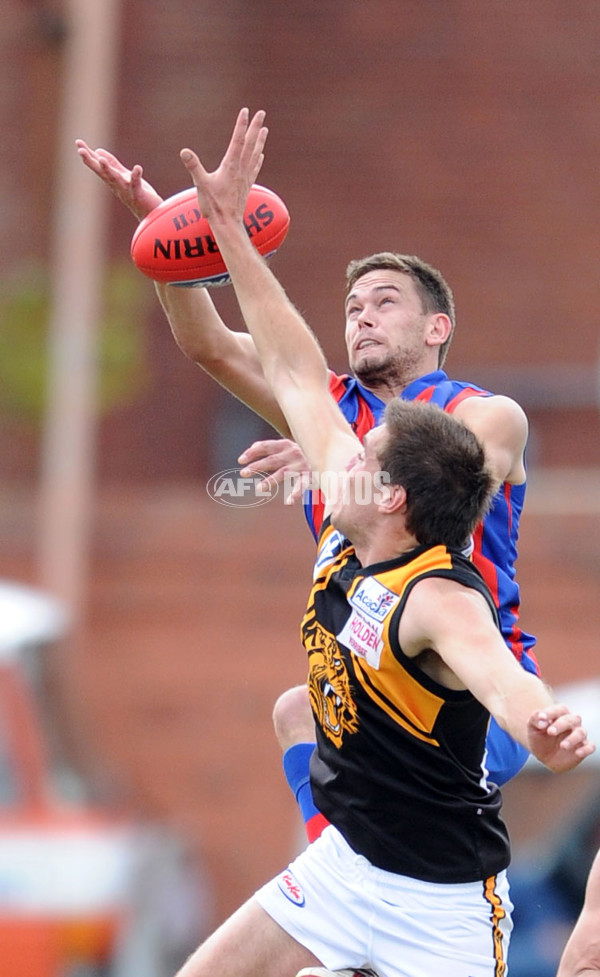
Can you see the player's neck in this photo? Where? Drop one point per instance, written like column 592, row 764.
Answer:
column 390, row 385
column 382, row 546
column 384, row 390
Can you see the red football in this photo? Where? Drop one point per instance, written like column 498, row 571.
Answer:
column 174, row 242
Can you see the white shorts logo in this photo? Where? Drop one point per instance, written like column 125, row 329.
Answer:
column 290, row 888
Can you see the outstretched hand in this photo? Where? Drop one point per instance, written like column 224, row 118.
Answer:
column 222, row 194
column 557, row 738
column 283, row 461
column 128, row 185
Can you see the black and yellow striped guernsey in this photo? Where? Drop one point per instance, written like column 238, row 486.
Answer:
column 399, row 762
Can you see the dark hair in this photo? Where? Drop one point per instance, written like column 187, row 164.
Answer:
column 434, row 291
column 441, row 465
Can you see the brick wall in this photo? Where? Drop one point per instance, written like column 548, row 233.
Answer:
column 464, row 132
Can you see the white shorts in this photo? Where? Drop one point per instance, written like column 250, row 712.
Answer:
column 350, row 914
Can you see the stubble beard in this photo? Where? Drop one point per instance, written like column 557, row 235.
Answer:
column 393, row 373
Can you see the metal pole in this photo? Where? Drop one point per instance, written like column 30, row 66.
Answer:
column 80, row 204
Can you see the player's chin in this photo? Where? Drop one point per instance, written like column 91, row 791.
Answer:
column 370, row 364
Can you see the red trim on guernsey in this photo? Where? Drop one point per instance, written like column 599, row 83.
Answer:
column 426, row 394
column 517, row 646
column 463, row 395
column 365, row 421
column 315, row 826
column 336, row 383
column 484, row 565
column 508, row 497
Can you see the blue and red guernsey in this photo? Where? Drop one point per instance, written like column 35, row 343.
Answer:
column 495, row 539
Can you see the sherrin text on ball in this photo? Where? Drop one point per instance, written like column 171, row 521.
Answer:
column 174, row 242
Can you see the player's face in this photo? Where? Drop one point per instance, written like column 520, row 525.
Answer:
column 386, row 328
column 360, row 488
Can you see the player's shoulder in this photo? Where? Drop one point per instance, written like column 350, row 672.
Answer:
column 441, row 604
column 493, row 407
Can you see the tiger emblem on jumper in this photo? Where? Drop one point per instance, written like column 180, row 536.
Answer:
column 329, row 686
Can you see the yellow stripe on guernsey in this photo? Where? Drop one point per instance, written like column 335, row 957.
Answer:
column 395, row 690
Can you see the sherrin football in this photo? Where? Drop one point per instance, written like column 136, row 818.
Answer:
column 174, row 242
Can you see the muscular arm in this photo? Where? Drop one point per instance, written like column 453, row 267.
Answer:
column 455, row 623
column 227, row 356
column 292, row 361
column 501, row 426
column 581, row 956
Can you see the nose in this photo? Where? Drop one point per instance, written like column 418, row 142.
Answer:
column 365, row 317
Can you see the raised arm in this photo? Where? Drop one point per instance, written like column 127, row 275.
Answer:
column 455, row 623
column 228, row 357
column 291, row 358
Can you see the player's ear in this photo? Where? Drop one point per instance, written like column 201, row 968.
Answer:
column 439, row 328
column 390, row 498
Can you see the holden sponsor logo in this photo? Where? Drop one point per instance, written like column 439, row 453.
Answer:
column 231, row 488
column 363, row 637
column 290, row 887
